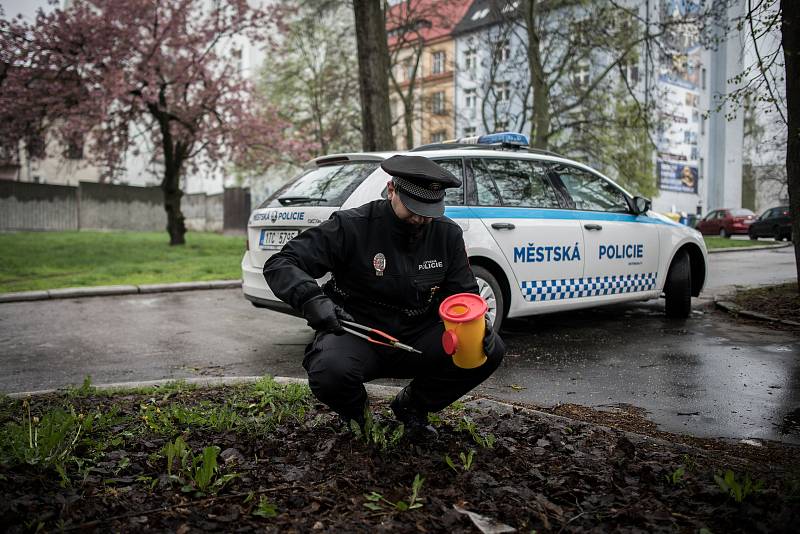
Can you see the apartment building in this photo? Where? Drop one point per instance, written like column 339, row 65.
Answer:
column 699, row 148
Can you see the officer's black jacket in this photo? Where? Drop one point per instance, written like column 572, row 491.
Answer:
column 420, row 270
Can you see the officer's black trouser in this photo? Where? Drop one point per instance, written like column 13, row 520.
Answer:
column 338, row 367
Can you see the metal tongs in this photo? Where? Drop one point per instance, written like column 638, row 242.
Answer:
column 390, row 341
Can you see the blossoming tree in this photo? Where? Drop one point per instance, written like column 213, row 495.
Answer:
column 104, row 69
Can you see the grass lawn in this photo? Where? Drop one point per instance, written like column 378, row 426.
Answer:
column 713, row 242
column 49, row 260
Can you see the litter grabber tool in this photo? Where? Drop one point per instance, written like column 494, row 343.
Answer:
column 388, row 341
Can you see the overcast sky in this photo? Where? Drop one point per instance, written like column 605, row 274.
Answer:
column 11, row 8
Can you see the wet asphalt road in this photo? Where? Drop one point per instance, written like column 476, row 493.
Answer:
column 709, row 376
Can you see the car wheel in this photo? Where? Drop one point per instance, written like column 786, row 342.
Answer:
column 776, row 233
column 678, row 287
column 723, row 232
column 489, row 289
column 752, row 235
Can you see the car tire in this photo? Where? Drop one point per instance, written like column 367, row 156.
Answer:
column 723, row 232
column 752, row 235
column 678, row 287
column 489, row 289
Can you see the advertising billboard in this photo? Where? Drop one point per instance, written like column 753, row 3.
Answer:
column 676, row 176
column 678, row 89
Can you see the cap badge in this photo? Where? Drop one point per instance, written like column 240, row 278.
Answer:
column 435, row 186
column 379, row 262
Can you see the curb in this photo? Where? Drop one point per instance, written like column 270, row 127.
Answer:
column 745, row 249
column 104, row 291
column 734, row 309
column 481, row 404
column 208, row 381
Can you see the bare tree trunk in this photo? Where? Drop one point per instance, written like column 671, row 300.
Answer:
column 408, row 120
column 176, row 226
column 790, row 29
column 373, row 75
column 540, row 121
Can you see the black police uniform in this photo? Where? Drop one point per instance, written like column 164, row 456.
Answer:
column 389, row 275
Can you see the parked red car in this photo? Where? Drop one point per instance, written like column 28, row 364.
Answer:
column 726, row 222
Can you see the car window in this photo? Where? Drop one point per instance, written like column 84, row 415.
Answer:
column 518, row 183
column 767, row 214
column 329, row 185
column 741, row 212
column 485, row 187
column 589, row 191
column 453, row 196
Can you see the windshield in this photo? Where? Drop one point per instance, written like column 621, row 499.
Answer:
column 741, row 212
column 324, row 186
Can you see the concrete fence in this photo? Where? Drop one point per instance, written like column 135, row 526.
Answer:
column 92, row 206
column 28, row 206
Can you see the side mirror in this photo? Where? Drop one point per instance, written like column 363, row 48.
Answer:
column 641, row 205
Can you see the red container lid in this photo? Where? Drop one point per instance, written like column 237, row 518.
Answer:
column 462, row 308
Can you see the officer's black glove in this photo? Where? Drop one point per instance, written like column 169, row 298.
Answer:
column 491, row 341
column 325, row 316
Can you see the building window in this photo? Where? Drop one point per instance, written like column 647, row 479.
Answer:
column 632, row 73
column 34, row 144
column 408, row 69
column 501, row 126
column 438, row 103
column 471, row 99
column 437, row 65
column 503, row 91
column 703, row 78
column 581, row 75
column 438, row 137
column 503, row 50
column 469, row 131
column 74, row 149
column 470, row 60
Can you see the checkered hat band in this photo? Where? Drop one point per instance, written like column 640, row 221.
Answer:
column 418, row 191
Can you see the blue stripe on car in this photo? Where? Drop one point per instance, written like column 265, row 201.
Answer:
column 477, row 212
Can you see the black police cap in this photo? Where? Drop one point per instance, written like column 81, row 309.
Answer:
column 420, row 183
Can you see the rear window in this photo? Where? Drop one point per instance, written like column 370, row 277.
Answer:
column 330, row 185
column 741, row 212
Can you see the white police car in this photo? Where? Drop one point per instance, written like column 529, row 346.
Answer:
column 543, row 233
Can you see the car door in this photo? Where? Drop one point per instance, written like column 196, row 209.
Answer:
column 706, row 226
column 622, row 249
column 762, row 225
column 519, row 207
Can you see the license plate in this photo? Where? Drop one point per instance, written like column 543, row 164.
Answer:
column 275, row 239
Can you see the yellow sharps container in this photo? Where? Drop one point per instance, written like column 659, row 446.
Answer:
column 464, row 323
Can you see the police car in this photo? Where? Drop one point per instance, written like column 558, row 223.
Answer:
column 543, row 233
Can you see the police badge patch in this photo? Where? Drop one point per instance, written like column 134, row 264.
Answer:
column 379, row 262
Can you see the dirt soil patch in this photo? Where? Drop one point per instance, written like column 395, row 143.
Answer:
column 267, row 457
column 779, row 302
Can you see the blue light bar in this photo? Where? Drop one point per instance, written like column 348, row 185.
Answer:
column 506, row 138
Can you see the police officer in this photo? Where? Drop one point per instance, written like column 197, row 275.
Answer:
column 392, row 263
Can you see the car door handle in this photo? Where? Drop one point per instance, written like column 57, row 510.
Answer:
column 592, row 226
column 503, row 226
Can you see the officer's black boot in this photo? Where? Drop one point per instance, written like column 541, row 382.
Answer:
column 415, row 421
column 347, row 419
